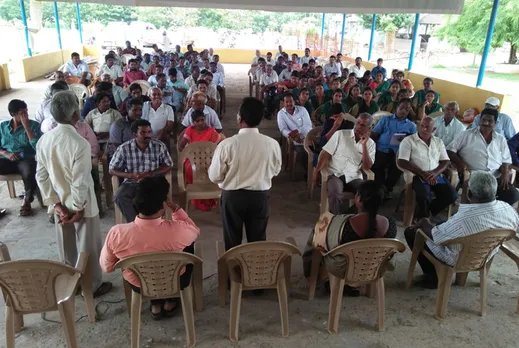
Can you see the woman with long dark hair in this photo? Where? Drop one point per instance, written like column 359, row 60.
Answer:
column 366, row 104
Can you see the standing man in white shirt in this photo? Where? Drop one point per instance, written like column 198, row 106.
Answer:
column 219, row 66
column 77, row 67
column 332, row 67
column 482, row 148
column 346, row 153
column 63, row 175
column 448, row 127
column 357, row 68
column 294, row 123
column 160, row 115
column 306, row 58
column 279, row 53
column 255, row 62
column 425, row 156
column 246, row 187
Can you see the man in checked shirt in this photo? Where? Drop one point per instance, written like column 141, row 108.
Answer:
column 135, row 160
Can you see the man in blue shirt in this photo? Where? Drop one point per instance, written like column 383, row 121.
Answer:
column 388, row 133
column 504, row 124
column 378, row 68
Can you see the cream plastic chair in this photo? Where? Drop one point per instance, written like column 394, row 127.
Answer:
column 159, row 275
column 312, row 138
column 125, row 58
column 436, row 114
column 511, row 249
column 38, row 286
column 119, row 217
column 10, row 179
column 145, row 85
column 324, row 188
column 377, row 116
column 474, row 256
column 199, row 155
column 256, row 265
column 81, row 92
column 366, row 261
column 465, row 185
column 316, row 116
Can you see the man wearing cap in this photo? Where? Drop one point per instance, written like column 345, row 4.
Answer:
column 504, row 124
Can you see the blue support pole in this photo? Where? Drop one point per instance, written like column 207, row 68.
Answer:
column 413, row 43
column 56, row 17
column 372, row 38
column 488, row 41
column 25, row 28
column 79, row 27
column 322, row 30
column 343, row 29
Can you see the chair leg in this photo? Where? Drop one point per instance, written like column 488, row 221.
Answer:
column 11, row 189
column 293, row 164
column 109, row 190
column 409, row 205
column 461, row 278
column 336, row 290
column 314, row 273
column 68, row 321
column 9, row 326
column 136, row 319
column 417, row 249
column 371, row 290
column 18, row 322
column 223, row 276
column 483, row 272
column 88, row 294
column 283, row 305
column 309, row 180
column 40, row 198
column 128, row 296
column 189, row 317
column 287, row 264
column 234, row 320
column 444, row 290
column 198, row 280
column 381, row 301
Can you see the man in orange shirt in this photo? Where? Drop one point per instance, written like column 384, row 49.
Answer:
column 150, row 232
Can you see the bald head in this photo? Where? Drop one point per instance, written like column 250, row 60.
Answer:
column 426, row 128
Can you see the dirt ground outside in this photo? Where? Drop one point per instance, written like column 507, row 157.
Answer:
column 409, row 314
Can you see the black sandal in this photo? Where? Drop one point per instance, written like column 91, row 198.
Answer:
column 171, row 313
column 156, row 316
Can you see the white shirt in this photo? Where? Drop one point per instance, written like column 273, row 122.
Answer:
column 190, row 81
column 347, row 155
column 477, row 154
column 267, row 79
column 255, row 60
column 77, row 71
column 166, row 43
column 44, row 116
column 220, row 69
column 359, row 72
column 63, row 170
column 471, row 219
column 329, row 69
column 218, row 79
column 278, row 54
column 211, row 118
column 115, row 71
column 426, row 157
column 299, row 121
column 286, row 74
column 119, row 94
column 158, row 118
column 211, row 91
column 231, row 166
column 305, row 59
column 101, row 122
column 447, row 133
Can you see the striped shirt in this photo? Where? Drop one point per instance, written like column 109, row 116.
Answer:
column 18, row 141
column 131, row 159
column 471, row 219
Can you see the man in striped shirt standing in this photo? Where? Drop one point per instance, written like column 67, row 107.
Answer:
column 483, row 212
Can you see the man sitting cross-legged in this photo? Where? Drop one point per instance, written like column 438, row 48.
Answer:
column 149, row 233
column 346, row 153
column 425, row 156
column 483, row 212
column 135, row 160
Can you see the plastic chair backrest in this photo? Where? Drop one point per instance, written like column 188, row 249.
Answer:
column 31, row 285
column 257, row 264
column 200, row 155
column 476, row 248
column 377, row 116
column 366, row 259
column 125, row 58
column 436, row 114
column 312, row 138
column 350, row 118
column 145, row 85
column 159, row 273
column 80, row 90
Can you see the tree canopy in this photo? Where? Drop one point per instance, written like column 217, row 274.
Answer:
column 389, row 23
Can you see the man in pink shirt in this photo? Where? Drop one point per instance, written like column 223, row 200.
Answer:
column 134, row 74
column 150, row 232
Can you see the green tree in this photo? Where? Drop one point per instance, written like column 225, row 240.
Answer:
column 389, row 23
column 469, row 30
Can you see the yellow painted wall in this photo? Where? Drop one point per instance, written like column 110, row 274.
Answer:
column 41, row 64
column 93, row 51
column 4, row 77
column 466, row 96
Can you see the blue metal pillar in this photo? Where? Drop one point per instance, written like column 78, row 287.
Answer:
column 372, row 38
column 56, row 17
column 79, row 27
column 25, row 28
column 413, row 43
column 322, row 30
column 488, row 41
column 343, row 29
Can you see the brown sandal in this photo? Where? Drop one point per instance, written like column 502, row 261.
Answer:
column 25, row 210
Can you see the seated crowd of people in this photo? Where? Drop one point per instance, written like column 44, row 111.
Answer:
column 58, row 153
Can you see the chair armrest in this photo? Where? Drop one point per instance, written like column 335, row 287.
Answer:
column 513, row 174
column 180, row 173
column 425, row 237
column 369, row 174
column 82, row 262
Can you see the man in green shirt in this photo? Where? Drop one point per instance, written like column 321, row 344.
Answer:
column 18, row 138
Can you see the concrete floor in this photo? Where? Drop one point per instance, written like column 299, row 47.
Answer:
column 409, row 314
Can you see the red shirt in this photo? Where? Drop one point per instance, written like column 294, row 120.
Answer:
column 131, row 76
column 130, row 51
